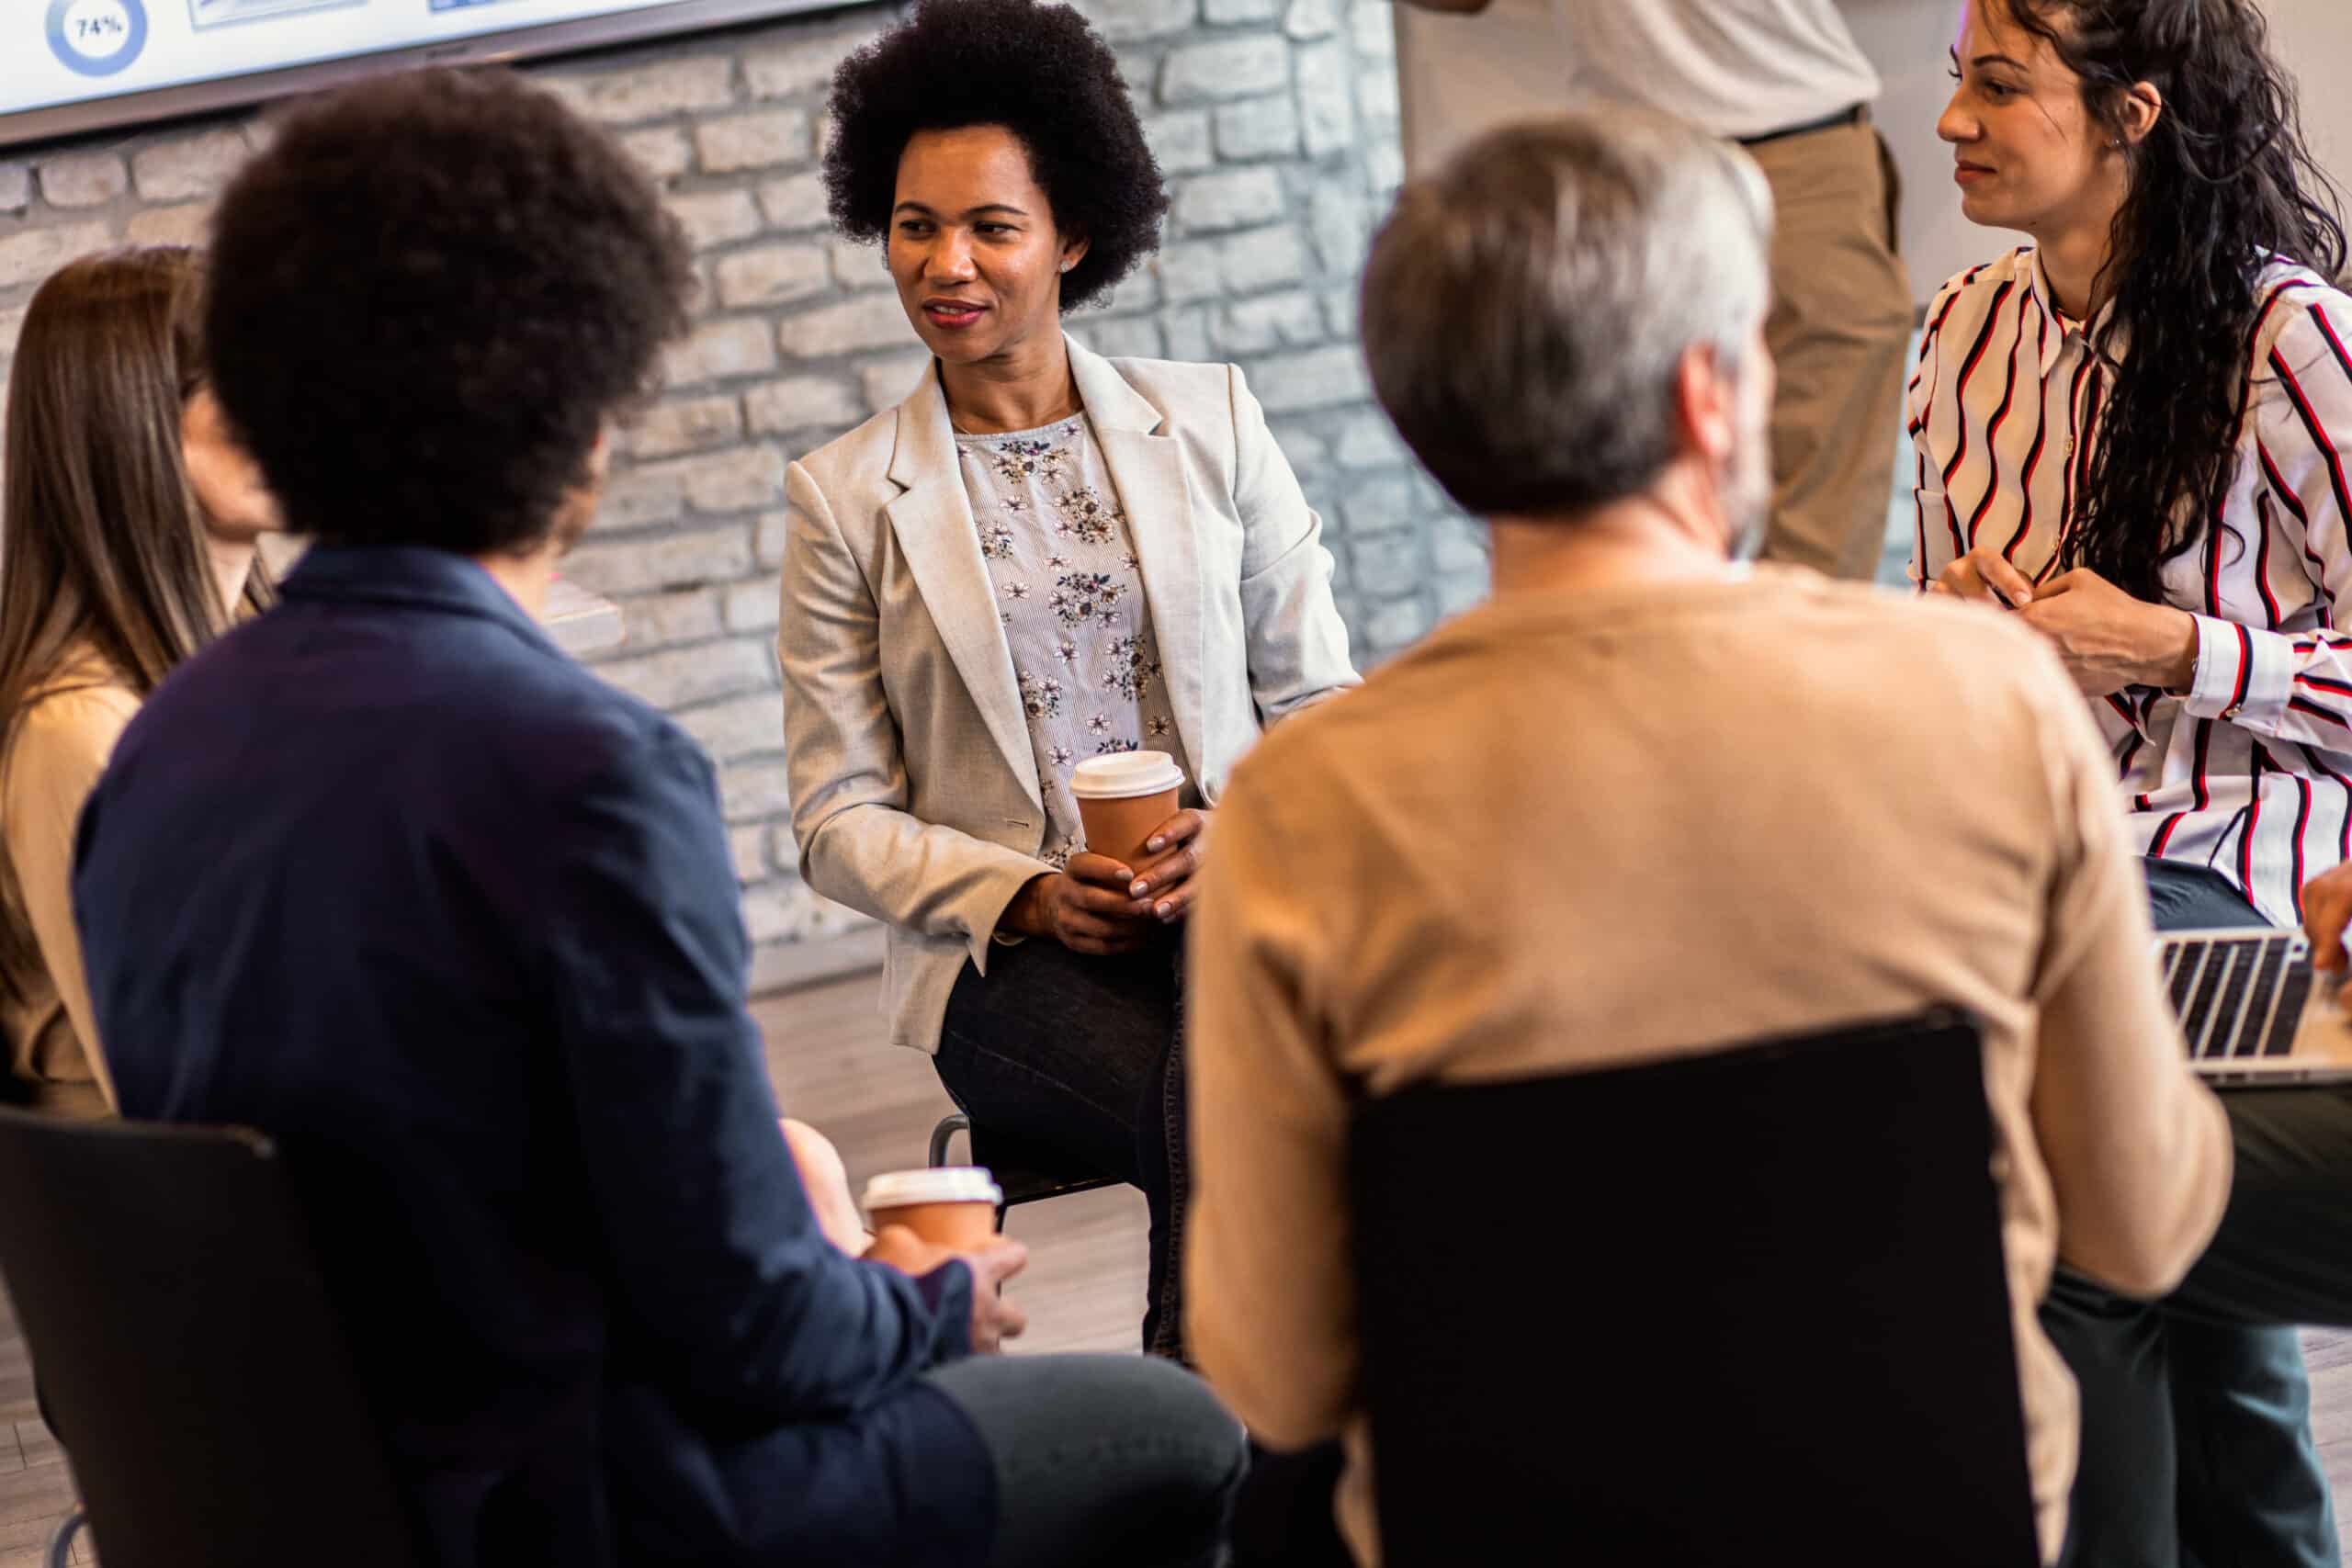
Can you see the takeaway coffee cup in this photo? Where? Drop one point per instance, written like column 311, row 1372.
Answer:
column 1122, row 797
column 952, row 1206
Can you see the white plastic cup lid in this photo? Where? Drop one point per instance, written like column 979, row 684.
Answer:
column 1124, row 774
column 946, row 1184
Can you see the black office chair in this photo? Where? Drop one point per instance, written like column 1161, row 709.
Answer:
column 188, row 1351
column 1024, row 1172
column 1737, row 1309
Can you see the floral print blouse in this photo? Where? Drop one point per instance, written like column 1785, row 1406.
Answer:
column 1071, row 596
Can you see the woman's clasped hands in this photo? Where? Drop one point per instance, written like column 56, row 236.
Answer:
column 1101, row 906
column 2107, row 638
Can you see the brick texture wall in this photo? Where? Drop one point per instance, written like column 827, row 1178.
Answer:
column 1275, row 121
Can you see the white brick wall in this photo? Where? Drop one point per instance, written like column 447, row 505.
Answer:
column 1224, row 68
column 83, row 179
column 804, row 403
column 1274, row 121
column 31, row 255
column 186, row 168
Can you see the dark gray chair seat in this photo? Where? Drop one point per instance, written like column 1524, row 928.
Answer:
column 1741, row 1308
column 188, row 1356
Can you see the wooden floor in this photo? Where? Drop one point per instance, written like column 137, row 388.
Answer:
column 1083, row 1289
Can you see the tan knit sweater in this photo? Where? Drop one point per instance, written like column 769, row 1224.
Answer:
column 1517, row 836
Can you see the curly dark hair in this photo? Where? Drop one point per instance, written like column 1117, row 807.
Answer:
column 429, row 294
column 1033, row 67
column 2223, row 184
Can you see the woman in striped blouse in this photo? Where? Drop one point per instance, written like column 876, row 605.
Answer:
column 2136, row 433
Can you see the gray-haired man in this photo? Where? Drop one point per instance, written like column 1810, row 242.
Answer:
column 1558, row 798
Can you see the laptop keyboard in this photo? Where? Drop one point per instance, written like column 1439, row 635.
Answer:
column 2239, row 996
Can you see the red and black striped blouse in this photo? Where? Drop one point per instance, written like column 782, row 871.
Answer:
column 2250, row 771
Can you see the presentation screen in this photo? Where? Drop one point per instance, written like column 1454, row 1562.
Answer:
column 68, row 66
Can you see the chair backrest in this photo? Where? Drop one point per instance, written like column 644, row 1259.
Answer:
column 186, row 1350
column 1739, row 1308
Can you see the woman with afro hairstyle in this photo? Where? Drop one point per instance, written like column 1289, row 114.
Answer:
column 1039, row 558
column 2134, row 433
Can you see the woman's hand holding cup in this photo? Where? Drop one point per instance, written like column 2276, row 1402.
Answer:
column 1166, row 883
column 1127, row 801
column 1108, row 902
column 1086, row 907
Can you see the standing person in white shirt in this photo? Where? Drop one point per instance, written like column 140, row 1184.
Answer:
column 1785, row 79
column 2136, row 432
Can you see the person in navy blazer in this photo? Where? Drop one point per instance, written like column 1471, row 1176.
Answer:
column 387, row 877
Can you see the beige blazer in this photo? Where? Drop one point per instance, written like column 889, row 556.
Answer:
column 914, row 789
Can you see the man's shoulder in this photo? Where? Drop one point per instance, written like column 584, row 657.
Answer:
column 1908, row 687
column 487, row 695
column 1905, row 637
column 1317, row 753
column 545, row 714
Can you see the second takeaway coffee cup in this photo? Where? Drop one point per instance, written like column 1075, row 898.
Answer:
column 1122, row 797
column 952, row 1206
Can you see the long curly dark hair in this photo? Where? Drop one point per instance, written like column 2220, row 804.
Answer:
column 1036, row 68
column 2222, row 186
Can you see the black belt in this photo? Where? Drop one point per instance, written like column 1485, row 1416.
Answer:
column 1828, row 122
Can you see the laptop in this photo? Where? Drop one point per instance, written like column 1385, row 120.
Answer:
column 2255, row 1014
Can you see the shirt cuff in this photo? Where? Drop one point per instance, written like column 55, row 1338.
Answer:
column 946, row 1291
column 2242, row 676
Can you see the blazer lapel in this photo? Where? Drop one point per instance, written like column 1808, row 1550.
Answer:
column 934, row 522
column 1147, row 470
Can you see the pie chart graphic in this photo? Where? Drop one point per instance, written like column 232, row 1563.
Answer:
column 96, row 38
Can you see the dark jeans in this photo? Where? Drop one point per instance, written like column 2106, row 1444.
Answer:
column 1101, row 1459
column 1082, row 1055
column 2196, row 1435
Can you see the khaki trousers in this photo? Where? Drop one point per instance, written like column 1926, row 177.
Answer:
column 1841, row 332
